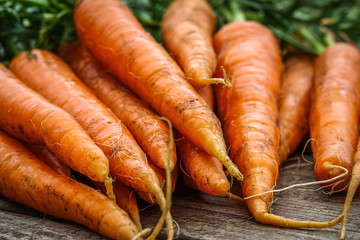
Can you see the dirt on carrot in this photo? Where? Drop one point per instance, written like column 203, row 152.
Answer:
column 149, row 131
column 251, row 57
column 201, row 170
column 45, row 155
column 135, row 58
column 334, row 113
column 25, row 179
column 31, row 118
column 53, row 78
column 125, row 199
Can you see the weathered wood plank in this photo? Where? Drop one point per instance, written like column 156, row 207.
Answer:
column 200, row 216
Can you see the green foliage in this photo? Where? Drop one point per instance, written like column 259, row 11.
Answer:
column 27, row 24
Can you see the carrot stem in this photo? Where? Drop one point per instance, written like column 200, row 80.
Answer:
column 224, row 80
column 346, row 172
column 235, row 14
column 309, row 36
column 290, row 39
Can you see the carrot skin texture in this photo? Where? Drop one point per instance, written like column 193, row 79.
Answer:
column 134, row 57
column 249, row 120
column 295, row 102
column 334, row 113
column 46, row 156
column 31, row 118
column 187, row 29
column 53, row 78
column 161, row 174
column 25, row 179
column 251, row 57
column 203, row 170
column 125, row 199
column 150, row 132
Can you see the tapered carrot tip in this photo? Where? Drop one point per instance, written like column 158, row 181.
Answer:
column 232, row 168
column 275, row 220
column 224, row 80
column 109, row 189
column 143, row 234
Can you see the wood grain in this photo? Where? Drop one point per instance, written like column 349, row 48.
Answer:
column 201, row 216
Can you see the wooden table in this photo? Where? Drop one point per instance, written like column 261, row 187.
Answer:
column 200, row 216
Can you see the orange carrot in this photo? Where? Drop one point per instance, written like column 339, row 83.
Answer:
column 25, row 179
column 295, row 102
column 31, row 118
column 53, row 78
column 125, row 199
column 334, row 113
column 251, row 57
column 150, row 132
column 125, row 196
column 187, row 179
column 207, row 93
column 205, row 170
column 187, row 29
column 334, row 119
column 111, row 32
column 160, row 173
column 46, row 156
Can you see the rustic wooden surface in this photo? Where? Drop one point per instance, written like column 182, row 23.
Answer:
column 200, row 216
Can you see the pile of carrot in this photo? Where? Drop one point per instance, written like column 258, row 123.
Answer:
column 104, row 106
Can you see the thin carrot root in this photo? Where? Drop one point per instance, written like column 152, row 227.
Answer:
column 109, row 189
column 354, row 183
column 224, row 80
column 232, row 168
column 275, row 220
column 143, row 234
column 346, row 172
column 233, row 196
column 165, row 203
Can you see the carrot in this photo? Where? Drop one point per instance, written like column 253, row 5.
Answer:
column 207, row 93
column 149, row 131
column 125, row 199
column 187, row 29
column 31, row 118
column 334, row 113
column 295, row 102
column 205, row 170
column 251, row 57
column 53, row 78
column 161, row 174
column 111, row 32
column 335, row 116
column 46, row 156
column 25, row 179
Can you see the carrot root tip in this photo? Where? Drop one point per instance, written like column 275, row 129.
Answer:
column 109, row 189
column 142, row 234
